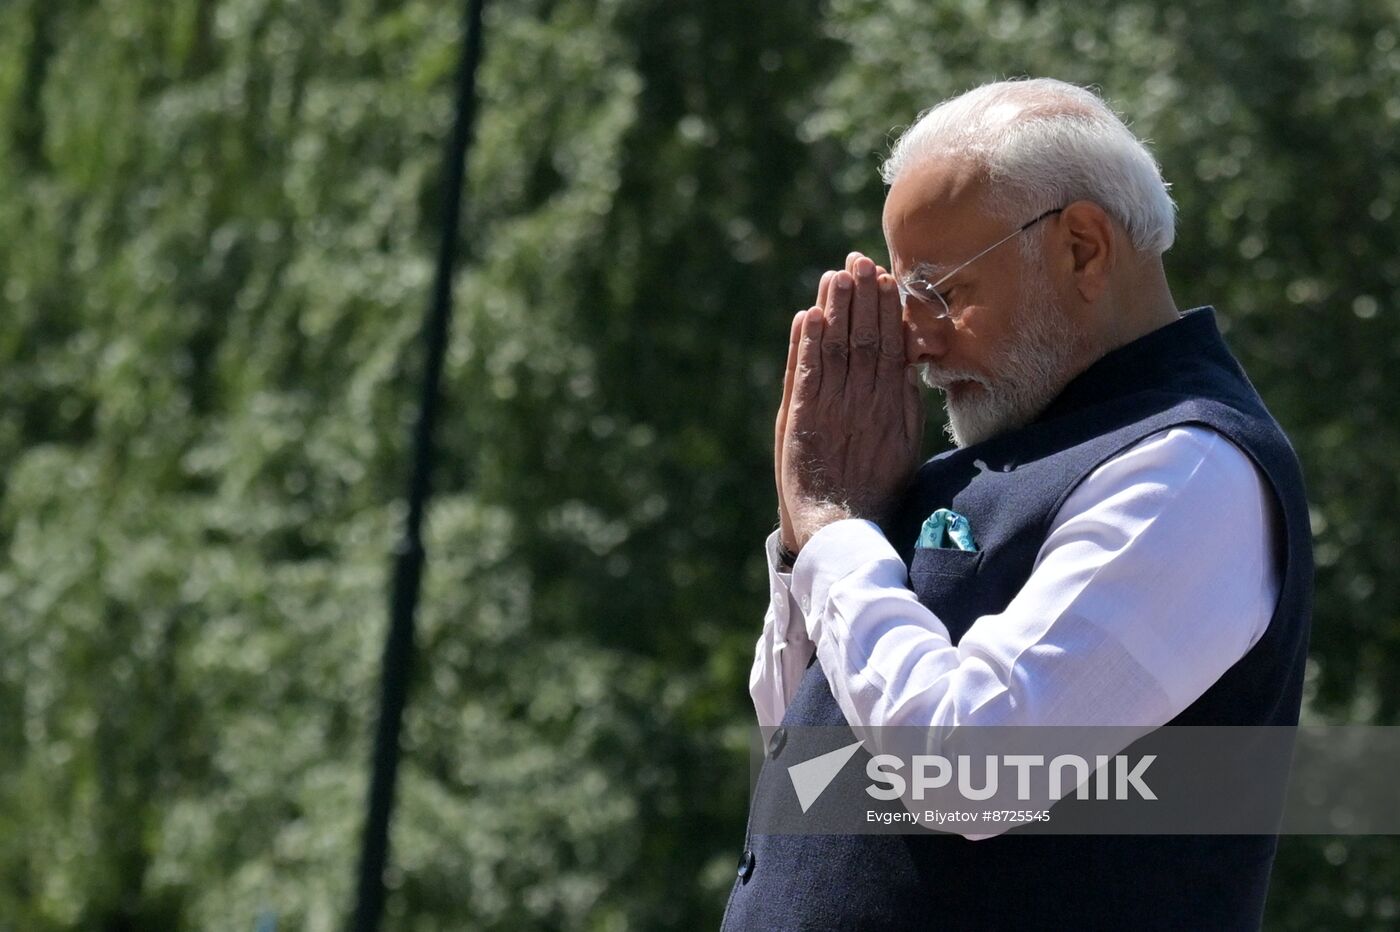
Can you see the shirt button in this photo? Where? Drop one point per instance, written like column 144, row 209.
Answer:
column 806, row 604
column 746, row 864
column 776, row 741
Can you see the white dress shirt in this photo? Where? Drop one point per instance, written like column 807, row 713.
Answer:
column 1158, row 574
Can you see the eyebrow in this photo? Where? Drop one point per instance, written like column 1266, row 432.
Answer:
column 929, row 271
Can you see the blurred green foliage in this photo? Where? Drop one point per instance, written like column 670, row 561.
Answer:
column 217, row 219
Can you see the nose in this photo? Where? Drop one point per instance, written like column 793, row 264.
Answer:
column 925, row 336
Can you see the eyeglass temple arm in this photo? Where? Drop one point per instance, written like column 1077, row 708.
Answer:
column 1021, row 229
column 1030, row 223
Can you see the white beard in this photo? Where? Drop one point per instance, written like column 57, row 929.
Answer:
column 1029, row 374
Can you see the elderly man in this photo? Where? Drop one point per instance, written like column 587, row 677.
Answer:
column 1133, row 546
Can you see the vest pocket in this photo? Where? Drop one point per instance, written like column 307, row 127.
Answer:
column 943, row 561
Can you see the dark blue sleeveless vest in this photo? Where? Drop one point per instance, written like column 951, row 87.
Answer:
column 1010, row 487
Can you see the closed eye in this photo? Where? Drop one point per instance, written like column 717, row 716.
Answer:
column 927, row 292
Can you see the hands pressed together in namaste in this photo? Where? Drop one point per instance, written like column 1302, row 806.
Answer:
column 848, row 431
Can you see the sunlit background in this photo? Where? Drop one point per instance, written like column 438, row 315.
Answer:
column 217, row 225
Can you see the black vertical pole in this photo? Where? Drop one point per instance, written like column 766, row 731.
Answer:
column 408, row 554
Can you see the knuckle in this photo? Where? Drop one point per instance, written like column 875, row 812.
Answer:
column 834, row 347
column 865, row 338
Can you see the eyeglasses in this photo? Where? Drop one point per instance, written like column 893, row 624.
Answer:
column 928, row 293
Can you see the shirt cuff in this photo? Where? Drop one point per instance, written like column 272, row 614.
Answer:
column 779, row 586
column 834, row 552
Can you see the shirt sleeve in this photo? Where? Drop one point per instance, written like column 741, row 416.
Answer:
column 1157, row 575
column 783, row 649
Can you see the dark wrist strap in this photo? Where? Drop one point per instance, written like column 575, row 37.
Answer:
column 785, row 556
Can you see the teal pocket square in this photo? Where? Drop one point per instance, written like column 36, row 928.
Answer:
column 946, row 528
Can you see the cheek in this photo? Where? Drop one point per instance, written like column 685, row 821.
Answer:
column 992, row 309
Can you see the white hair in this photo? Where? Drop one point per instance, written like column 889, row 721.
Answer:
column 1043, row 143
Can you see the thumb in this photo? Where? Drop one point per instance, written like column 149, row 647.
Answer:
column 913, row 407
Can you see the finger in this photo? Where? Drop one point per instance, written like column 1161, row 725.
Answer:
column 794, row 340
column 807, row 379
column 780, row 429
column 853, row 257
column 865, row 331
column 835, row 338
column 891, row 326
column 823, row 287
column 913, row 410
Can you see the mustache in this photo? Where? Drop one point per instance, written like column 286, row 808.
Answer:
column 940, row 378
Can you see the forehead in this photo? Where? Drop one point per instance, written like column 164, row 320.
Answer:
column 933, row 212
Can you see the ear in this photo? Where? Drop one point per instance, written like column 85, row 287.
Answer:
column 1089, row 230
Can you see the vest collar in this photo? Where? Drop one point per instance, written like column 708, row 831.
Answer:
column 1141, row 362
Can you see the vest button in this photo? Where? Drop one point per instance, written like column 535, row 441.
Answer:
column 776, row 741
column 746, row 861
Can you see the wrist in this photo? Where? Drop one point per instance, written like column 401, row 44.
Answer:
column 817, row 515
